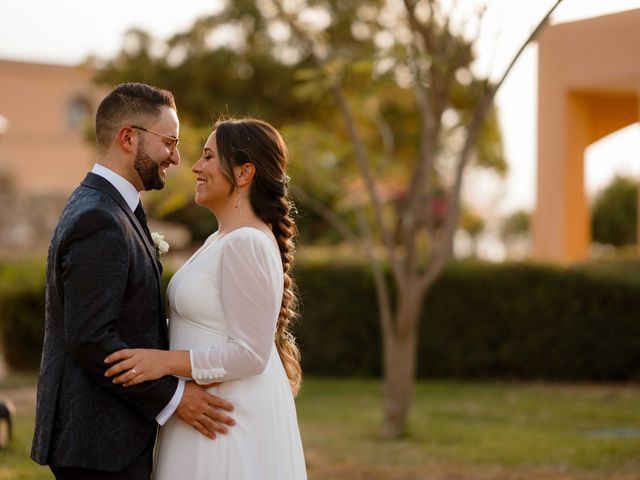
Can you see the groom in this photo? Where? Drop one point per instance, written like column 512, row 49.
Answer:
column 103, row 294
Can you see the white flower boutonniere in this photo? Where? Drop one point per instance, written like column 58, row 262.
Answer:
column 161, row 245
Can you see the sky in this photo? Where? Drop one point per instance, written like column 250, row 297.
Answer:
column 66, row 31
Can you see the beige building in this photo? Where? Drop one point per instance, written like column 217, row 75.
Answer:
column 45, row 110
column 588, row 87
column 45, row 114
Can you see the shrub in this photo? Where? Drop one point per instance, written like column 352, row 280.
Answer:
column 531, row 321
column 22, row 314
column 338, row 330
column 480, row 320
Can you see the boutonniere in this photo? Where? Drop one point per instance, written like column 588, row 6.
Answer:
column 159, row 242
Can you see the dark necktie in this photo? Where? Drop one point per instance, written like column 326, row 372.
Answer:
column 142, row 218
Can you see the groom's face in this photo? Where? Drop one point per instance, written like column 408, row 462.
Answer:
column 148, row 169
column 154, row 154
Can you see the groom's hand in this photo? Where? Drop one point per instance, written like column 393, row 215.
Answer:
column 203, row 411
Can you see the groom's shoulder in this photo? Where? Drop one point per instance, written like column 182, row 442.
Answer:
column 85, row 199
column 89, row 206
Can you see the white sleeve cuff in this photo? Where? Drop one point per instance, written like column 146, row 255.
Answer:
column 173, row 404
column 201, row 371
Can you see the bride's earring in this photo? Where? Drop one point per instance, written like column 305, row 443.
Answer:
column 238, row 200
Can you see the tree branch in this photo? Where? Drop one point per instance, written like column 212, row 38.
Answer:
column 441, row 254
column 356, row 141
column 380, row 283
column 329, row 215
column 382, row 295
column 531, row 38
column 387, row 137
column 365, row 170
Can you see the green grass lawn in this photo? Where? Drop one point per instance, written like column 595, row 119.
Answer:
column 14, row 461
column 462, row 430
column 458, row 431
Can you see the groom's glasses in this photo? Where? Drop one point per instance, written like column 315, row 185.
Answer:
column 171, row 143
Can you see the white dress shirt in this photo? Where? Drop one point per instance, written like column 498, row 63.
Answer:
column 132, row 197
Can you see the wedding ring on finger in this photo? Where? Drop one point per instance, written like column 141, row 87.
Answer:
column 133, row 370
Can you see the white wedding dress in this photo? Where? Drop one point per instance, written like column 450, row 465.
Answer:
column 224, row 304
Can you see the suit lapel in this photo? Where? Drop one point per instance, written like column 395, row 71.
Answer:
column 97, row 182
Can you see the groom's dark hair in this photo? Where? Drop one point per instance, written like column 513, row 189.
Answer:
column 128, row 103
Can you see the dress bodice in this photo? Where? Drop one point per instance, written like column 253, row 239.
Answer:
column 224, row 304
column 194, row 292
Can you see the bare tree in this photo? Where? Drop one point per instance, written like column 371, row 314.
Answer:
column 416, row 245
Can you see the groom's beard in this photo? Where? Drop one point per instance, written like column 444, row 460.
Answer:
column 148, row 170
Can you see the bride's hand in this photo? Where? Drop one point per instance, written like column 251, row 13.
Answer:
column 136, row 365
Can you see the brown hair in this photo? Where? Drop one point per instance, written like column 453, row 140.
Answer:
column 241, row 141
column 128, row 102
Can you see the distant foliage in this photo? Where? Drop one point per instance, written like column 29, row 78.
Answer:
column 234, row 62
column 515, row 225
column 22, row 314
column 614, row 215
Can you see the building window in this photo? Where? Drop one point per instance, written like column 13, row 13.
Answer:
column 78, row 114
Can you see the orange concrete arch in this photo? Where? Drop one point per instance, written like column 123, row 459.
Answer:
column 588, row 87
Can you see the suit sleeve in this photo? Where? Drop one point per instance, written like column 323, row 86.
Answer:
column 95, row 265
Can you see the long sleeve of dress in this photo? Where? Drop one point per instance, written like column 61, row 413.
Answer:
column 251, row 285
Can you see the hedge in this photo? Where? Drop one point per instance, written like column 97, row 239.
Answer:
column 522, row 321
column 22, row 313
column 529, row 321
column 482, row 321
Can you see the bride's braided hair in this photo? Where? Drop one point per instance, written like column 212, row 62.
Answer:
column 241, row 141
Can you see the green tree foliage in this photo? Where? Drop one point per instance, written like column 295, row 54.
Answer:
column 473, row 224
column 515, row 225
column 386, row 114
column 226, row 64
column 515, row 234
column 244, row 60
column 614, row 215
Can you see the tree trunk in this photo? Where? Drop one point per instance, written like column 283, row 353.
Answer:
column 399, row 374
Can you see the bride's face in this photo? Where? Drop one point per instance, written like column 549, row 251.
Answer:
column 213, row 188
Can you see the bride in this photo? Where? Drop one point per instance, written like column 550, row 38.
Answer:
column 228, row 303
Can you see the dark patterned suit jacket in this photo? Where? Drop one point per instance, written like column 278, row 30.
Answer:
column 103, row 293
